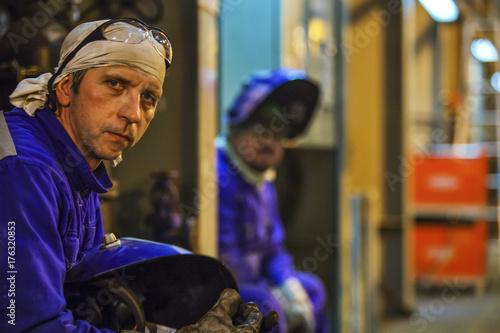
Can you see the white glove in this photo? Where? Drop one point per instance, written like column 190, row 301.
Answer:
column 297, row 306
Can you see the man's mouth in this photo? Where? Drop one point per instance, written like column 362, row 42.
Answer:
column 120, row 137
column 266, row 150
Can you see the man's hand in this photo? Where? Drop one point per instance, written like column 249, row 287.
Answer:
column 230, row 314
column 296, row 305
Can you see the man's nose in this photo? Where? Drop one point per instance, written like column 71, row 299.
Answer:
column 131, row 108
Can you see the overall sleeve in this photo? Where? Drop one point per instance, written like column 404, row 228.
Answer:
column 33, row 216
column 229, row 249
column 277, row 262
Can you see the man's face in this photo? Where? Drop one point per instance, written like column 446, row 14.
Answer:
column 111, row 111
column 258, row 146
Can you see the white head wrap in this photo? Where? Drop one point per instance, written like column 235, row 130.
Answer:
column 31, row 94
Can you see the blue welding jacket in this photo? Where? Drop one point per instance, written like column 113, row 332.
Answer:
column 251, row 233
column 50, row 195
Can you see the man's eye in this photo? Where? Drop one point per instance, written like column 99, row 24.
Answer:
column 149, row 98
column 114, row 83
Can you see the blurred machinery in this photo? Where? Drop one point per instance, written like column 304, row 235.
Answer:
column 31, row 35
column 166, row 220
column 32, row 31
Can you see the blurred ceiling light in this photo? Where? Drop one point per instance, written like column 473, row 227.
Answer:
column 318, row 30
column 484, row 50
column 495, row 81
column 441, row 10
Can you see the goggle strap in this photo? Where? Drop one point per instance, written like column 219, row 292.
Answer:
column 93, row 36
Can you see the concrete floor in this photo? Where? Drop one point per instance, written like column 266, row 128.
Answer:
column 451, row 311
column 454, row 309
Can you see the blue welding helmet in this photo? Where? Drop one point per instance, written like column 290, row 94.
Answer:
column 124, row 283
column 283, row 94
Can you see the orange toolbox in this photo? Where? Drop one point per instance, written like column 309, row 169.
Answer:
column 450, row 233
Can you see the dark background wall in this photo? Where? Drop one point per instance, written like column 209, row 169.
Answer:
column 169, row 143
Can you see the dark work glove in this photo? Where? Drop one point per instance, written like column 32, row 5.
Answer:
column 231, row 315
column 153, row 328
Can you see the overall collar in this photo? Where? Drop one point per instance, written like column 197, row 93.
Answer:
column 250, row 175
column 71, row 159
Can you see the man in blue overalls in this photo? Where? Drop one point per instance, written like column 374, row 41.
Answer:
column 272, row 106
column 52, row 146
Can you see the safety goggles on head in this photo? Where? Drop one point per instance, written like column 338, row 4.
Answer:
column 123, row 30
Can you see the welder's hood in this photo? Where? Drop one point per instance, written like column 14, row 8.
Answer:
column 281, row 86
column 170, row 285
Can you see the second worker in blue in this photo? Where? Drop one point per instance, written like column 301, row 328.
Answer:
column 272, row 106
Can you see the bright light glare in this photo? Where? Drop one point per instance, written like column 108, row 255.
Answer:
column 484, row 50
column 441, row 10
column 317, row 30
column 495, row 81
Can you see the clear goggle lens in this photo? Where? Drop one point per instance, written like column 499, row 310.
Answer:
column 134, row 32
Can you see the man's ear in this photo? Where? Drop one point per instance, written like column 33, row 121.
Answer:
column 63, row 90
